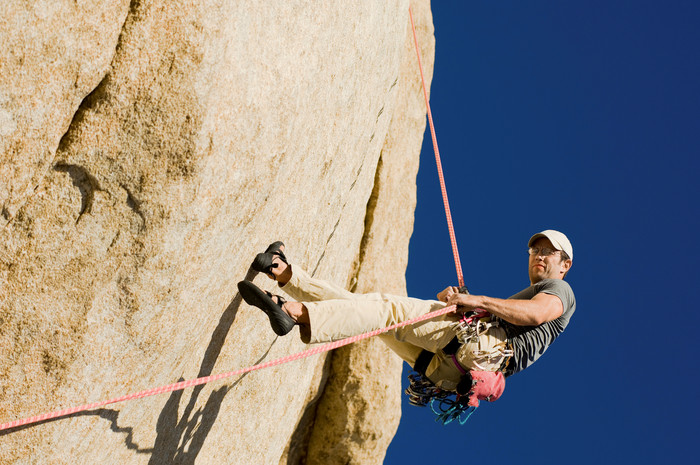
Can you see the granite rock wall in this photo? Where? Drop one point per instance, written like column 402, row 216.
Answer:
column 148, row 150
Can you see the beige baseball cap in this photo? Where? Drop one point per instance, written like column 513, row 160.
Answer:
column 558, row 240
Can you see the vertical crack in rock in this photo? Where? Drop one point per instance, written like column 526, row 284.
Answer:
column 330, row 236
column 298, row 445
column 376, row 121
column 90, row 101
column 340, row 216
column 99, row 93
column 297, row 449
column 393, row 84
column 369, row 221
column 94, row 96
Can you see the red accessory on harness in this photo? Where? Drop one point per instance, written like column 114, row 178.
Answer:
column 486, row 385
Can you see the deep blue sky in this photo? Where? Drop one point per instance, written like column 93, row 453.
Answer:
column 583, row 117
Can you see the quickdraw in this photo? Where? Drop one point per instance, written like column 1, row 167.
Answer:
column 446, row 405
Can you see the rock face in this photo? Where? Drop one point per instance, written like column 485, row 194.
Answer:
column 149, row 149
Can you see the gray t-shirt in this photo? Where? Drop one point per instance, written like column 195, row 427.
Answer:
column 530, row 342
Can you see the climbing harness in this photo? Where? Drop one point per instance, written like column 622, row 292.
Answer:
column 469, row 330
column 463, row 401
column 473, row 386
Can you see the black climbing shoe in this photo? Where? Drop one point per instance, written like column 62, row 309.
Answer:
column 279, row 320
column 263, row 261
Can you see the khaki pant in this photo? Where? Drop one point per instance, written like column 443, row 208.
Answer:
column 336, row 313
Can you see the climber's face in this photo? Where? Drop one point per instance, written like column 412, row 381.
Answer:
column 546, row 261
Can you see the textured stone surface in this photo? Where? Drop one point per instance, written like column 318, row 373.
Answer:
column 54, row 53
column 359, row 412
column 149, row 149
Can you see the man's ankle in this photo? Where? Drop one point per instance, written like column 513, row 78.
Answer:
column 297, row 311
column 284, row 276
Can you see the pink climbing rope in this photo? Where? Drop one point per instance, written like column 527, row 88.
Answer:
column 207, row 379
column 445, row 200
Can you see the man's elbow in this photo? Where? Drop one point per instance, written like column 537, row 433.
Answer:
column 544, row 317
column 528, row 320
column 534, row 320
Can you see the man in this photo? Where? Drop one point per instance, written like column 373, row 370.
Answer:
column 521, row 329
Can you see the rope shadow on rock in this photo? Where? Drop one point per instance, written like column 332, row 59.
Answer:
column 108, row 414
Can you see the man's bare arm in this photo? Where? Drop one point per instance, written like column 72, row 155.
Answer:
column 533, row 312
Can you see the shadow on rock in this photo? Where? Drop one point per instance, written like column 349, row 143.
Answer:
column 108, row 414
column 180, row 438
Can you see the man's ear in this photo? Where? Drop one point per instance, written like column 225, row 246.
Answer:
column 566, row 265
